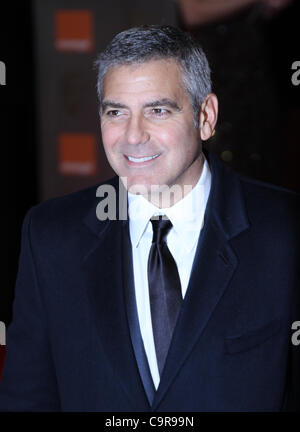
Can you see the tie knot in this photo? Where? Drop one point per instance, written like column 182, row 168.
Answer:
column 161, row 227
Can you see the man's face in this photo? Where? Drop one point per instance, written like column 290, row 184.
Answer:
column 147, row 126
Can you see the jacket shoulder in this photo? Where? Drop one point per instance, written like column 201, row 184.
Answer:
column 270, row 202
column 67, row 211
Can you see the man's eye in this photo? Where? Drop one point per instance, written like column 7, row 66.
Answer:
column 113, row 113
column 160, row 111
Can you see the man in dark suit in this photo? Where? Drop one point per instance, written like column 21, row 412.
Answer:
column 185, row 305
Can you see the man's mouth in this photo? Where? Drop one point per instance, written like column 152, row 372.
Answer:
column 142, row 159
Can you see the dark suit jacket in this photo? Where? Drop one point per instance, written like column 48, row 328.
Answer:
column 75, row 344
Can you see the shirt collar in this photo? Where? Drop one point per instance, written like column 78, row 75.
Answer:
column 187, row 215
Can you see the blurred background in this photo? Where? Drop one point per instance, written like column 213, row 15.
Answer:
column 50, row 132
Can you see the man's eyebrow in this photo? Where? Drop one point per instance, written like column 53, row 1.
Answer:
column 155, row 103
column 111, row 104
column 163, row 102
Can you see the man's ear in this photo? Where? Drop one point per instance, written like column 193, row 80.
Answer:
column 208, row 116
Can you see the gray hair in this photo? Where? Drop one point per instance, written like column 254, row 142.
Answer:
column 154, row 42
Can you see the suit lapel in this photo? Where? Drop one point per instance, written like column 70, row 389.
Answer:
column 103, row 270
column 203, row 294
column 213, row 268
column 136, row 337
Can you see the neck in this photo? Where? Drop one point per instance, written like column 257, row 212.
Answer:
column 167, row 195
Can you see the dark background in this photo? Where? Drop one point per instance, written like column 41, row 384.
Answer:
column 18, row 124
column 18, row 141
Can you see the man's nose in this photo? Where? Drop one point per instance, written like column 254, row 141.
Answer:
column 136, row 131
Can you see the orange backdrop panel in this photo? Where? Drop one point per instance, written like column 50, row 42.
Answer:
column 77, row 154
column 74, row 30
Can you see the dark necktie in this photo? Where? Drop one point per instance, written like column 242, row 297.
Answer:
column 164, row 289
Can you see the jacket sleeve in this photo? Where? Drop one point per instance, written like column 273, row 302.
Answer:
column 28, row 381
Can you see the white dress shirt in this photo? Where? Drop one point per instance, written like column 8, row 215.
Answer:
column 187, row 219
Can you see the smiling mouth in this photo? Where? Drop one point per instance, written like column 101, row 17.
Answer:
column 142, row 159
